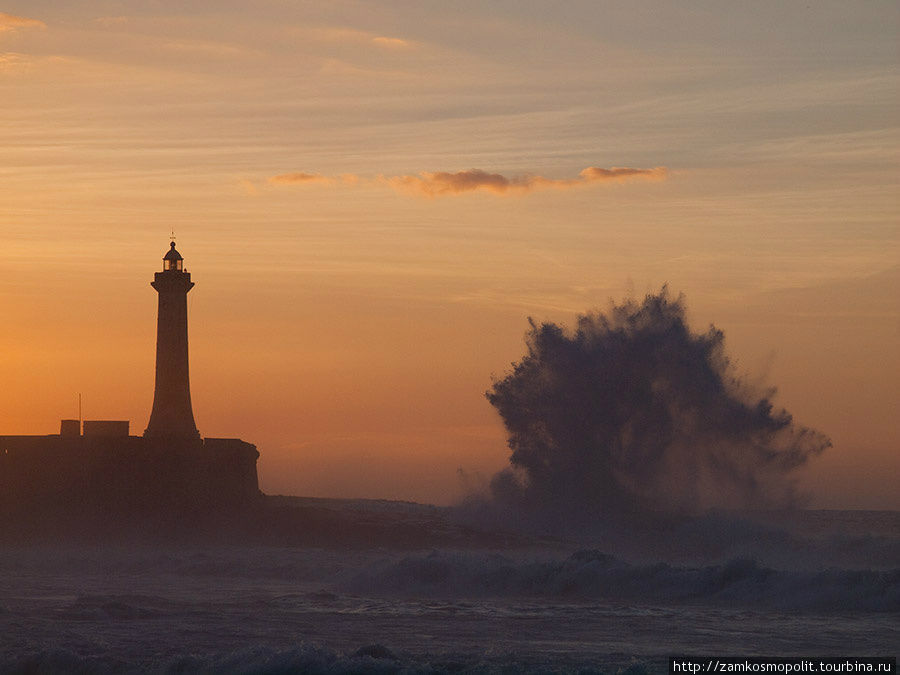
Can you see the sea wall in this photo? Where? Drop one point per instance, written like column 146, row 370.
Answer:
column 55, row 480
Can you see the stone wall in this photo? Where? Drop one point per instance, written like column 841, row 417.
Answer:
column 46, row 479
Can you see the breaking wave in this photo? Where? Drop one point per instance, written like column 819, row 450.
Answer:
column 590, row 575
column 307, row 659
column 631, row 411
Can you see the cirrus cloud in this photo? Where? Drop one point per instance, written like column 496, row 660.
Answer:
column 9, row 22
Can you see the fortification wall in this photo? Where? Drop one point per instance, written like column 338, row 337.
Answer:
column 58, row 478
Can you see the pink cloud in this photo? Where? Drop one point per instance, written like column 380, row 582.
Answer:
column 437, row 183
column 442, row 183
column 433, row 184
column 299, row 177
column 595, row 173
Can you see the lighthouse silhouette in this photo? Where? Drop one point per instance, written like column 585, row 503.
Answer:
column 172, row 418
column 95, row 475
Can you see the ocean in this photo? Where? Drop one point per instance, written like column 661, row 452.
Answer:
column 824, row 583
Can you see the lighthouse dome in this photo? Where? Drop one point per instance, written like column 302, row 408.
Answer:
column 172, row 260
column 172, row 254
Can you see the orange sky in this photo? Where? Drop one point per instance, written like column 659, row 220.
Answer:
column 372, row 198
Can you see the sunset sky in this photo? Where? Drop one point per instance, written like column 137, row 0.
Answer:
column 372, row 197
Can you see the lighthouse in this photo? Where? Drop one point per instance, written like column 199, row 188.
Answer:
column 172, row 418
column 95, row 473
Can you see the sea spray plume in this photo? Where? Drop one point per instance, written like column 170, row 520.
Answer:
column 632, row 412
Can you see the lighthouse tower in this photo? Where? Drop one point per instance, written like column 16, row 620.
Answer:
column 172, row 418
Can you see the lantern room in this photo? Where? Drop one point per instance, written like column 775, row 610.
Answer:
column 172, row 261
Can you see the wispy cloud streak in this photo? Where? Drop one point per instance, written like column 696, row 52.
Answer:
column 9, row 22
column 391, row 43
column 301, row 178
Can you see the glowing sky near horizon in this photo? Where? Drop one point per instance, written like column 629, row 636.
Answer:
column 373, row 196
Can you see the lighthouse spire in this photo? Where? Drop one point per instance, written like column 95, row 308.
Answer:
column 172, row 417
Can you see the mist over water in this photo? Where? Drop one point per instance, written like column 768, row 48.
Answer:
column 631, row 412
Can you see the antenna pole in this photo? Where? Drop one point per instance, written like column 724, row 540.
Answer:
column 79, row 412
